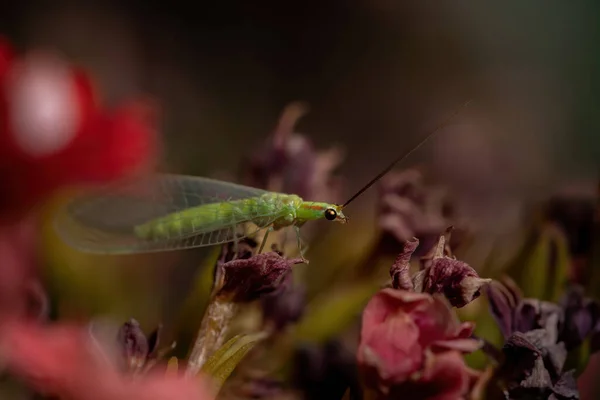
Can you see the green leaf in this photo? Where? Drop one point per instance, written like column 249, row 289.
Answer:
column 329, row 314
column 329, row 267
column 222, row 363
column 485, row 327
column 593, row 288
column 541, row 267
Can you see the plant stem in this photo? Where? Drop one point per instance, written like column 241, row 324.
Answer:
column 212, row 333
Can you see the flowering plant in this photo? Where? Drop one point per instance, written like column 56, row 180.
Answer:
column 263, row 325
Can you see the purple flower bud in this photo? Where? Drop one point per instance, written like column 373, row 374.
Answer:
column 454, row 279
column 289, row 163
column 582, row 317
column 538, row 336
column 137, row 348
column 134, row 345
column 503, row 300
column 247, row 279
column 532, row 367
column 532, row 314
column 566, row 387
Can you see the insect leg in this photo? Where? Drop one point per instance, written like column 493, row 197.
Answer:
column 264, row 241
column 300, row 247
column 235, row 245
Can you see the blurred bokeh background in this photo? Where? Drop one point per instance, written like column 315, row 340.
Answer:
column 375, row 75
column 224, row 71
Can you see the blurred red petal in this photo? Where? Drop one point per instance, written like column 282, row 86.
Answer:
column 62, row 360
column 87, row 99
column 117, row 144
column 6, row 57
column 53, row 132
column 16, row 267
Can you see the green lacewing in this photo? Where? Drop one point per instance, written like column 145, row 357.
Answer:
column 165, row 212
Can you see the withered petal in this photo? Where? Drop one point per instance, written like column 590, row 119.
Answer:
column 400, row 270
column 555, row 357
column 134, row 344
column 500, row 307
column 455, row 279
column 566, row 387
column 247, row 279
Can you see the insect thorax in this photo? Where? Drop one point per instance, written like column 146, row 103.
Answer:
column 284, row 206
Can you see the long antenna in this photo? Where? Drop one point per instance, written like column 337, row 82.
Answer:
column 402, row 157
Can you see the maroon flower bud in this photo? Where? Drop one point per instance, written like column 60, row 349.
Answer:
column 134, row 344
column 538, row 336
column 289, row 163
column 247, row 279
column 582, row 318
column 137, row 348
column 453, row 278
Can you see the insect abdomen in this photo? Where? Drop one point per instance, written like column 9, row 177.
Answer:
column 208, row 217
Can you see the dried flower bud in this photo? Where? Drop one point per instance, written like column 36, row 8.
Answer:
column 455, row 279
column 538, row 336
column 533, row 367
column 582, row 318
column 572, row 321
column 137, row 348
column 531, row 314
column 248, row 279
column 134, row 344
column 400, row 271
column 289, row 163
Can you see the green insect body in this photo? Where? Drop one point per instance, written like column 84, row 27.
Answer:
column 175, row 212
column 274, row 209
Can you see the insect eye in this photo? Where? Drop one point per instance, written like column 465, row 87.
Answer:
column 330, row 214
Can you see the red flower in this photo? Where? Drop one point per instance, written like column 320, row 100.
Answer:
column 413, row 343
column 54, row 132
column 65, row 361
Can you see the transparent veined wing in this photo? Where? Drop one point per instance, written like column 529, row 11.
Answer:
column 103, row 220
